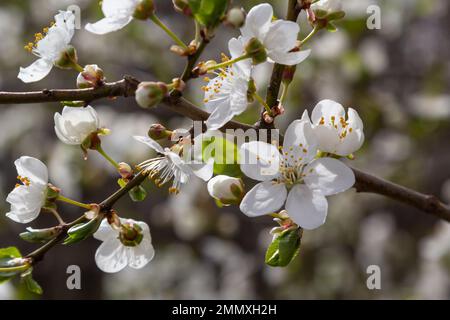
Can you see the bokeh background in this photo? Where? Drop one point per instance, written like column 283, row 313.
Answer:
column 398, row 79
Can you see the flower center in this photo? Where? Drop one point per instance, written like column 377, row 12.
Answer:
column 37, row 37
column 130, row 234
column 25, row 181
column 340, row 124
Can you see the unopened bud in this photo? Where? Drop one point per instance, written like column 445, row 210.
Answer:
column 328, row 10
column 91, row 77
column 267, row 118
column 227, row 190
column 158, row 132
column 256, row 50
column 40, row 235
column 277, row 110
column 180, row 51
column 236, row 17
column 144, row 10
column 125, row 170
column 178, row 84
column 149, row 94
column 131, row 233
column 67, row 59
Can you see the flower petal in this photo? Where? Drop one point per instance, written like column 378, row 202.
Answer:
column 108, row 24
column 307, row 208
column 327, row 109
column 329, row 176
column 111, row 256
column 289, row 58
column 258, row 21
column 300, row 143
column 264, row 198
column 259, row 160
column 151, row 143
column 141, row 255
column 282, row 36
column 105, row 231
column 204, row 170
column 38, row 70
column 220, row 115
column 32, row 169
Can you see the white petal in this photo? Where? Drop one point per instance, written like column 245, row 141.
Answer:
column 237, row 49
column 300, row 143
column 111, row 256
column 259, row 160
column 60, row 130
column 105, row 231
column 204, row 170
column 32, row 169
column 107, row 25
column 139, row 256
column 264, row 198
column 351, row 143
column 117, row 8
column 289, row 58
column 258, row 21
column 38, row 70
column 220, row 116
column 307, row 208
column 151, row 143
column 329, row 176
column 328, row 138
column 282, row 36
column 23, row 216
column 327, row 109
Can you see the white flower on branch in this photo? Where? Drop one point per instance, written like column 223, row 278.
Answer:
column 130, row 246
column 29, row 197
column 75, row 125
column 226, row 94
column 170, row 165
column 51, row 47
column 227, row 190
column 279, row 37
column 119, row 13
column 336, row 133
column 293, row 177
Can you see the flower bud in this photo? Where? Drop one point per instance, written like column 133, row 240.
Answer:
column 256, row 50
column 67, row 59
column 149, row 94
column 328, row 10
column 158, row 132
column 267, row 117
column 125, row 170
column 144, row 10
column 181, row 6
column 178, row 84
column 227, row 190
column 131, row 233
column 40, row 235
column 91, row 77
column 235, row 17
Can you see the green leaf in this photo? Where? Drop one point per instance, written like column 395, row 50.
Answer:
column 208, row 12
column 39, row 235
column 82, row 231
column 121, row 182
column 138, row 194
column 7, row 257
column 331, row 27
column 226, row 156
column 283, row 248
column 31, row 284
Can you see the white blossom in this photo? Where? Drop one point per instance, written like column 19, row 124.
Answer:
column 327, row 6
column 293, row 177
column 49, row 47
column 118, row 13
column 118, row 251
column 74, row 125
column 226, row 94
column 28, row 198
column 278, row 37
column 170, row 165
column 336, row 132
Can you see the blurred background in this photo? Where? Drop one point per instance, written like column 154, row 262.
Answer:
column 398, row 79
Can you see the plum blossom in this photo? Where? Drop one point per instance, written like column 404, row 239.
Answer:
column 226, row 94
column 49, row 47
column 118, row 13
column 75, row 125
column 130, row 246
column 29, row 197
column 279, row 37
column 227, row 190
column 292, row 176
column 336, row 132
column 169, row 164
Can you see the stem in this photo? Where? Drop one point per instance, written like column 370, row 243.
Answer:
column 73, row 202
column 107, row 157
column 285, row 87
column 197, row 32
column 14, row 269
column 187, row 73
column 263, row 103
column 77, row 67
column 169, row 32
column 310, row 35
column 56, row 214
column 229, row 62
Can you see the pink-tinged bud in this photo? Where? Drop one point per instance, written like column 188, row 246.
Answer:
column 149, row 94
column 267, row 118
column 227, row 190
column 182, row 6
column 158, row 132
column 235, row 17
column 91, row 77
column 125, row 170
column 277, row 110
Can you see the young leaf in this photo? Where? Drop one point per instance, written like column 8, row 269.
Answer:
column 39, row 235
column 82, row 231
column 7, row 258
column 283, row 248
column 208, row 12
column 138, row 194
column 31, row 284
